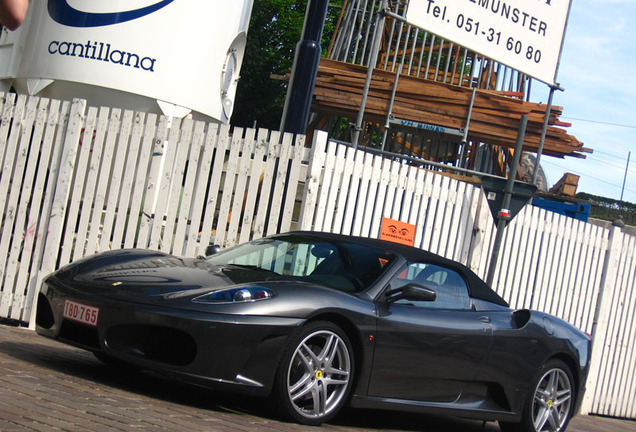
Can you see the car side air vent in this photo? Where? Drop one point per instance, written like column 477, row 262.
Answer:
column 520, row 318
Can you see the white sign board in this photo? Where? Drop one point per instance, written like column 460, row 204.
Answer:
column 184, row 52
column 526, row 35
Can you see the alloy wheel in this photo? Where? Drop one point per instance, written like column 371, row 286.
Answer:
column 552, row 401
column 318, row 374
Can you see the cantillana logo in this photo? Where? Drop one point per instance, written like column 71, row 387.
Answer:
column 65, row 14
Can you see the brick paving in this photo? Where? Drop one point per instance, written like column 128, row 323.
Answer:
column 46, row 386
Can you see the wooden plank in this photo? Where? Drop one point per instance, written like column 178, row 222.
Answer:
column 105, row 140
column 594, row 264
column 73, row 239
column 255, row 185
column 398, row 180
column 293, row 183
column 177, row 174
column 228, row 187
column 37, row 226
column 344, row 195
column 626, row 380
column 153, row 183
column 240, row 188
column 371, row 200
column 7, row 105
column 124, row 215
column 10, row 185
column 34, row 122
column 380, row 199
column 312, row 183
column 547, row 267
column 354, row 192
column 208, row 233
column 113, row 178
column 273, row 153
column 431, row 238
column 416, row 205
column 185, row 219
column 164, row 182
column 336, row 184
column 325, row 186
column 469, row 205
column 138, row 196
column 197, row 242
column 8, row 168
column 409, row 197
column 456, row 234
column 530, row 245
column 495, row 116
column 280, row 182
column 19, row 140
column 88, row 197
column 61, row 175
column 573, row 286
column 564, row 287
column 365, row 162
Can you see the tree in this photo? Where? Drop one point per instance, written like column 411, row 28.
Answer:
column 275, row 29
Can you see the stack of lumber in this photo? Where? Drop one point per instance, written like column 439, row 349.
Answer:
column 495, row 117
column 566, row 186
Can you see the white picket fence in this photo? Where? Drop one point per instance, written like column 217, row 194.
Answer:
column 78, row 180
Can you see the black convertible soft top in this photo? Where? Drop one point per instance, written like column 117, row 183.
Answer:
column 478, row 288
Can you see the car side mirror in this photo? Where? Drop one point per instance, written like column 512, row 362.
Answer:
column 212, row 249
column 412, row 292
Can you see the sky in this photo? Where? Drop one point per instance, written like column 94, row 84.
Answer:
column 598, row 74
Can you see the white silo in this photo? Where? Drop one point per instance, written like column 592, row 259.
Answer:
column 172, row 56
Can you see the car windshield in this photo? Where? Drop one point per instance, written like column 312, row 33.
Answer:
column 346, row 266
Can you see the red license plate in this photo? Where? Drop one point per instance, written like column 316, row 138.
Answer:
column 80, row 312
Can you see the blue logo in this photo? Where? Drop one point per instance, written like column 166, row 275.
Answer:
column 66, row 14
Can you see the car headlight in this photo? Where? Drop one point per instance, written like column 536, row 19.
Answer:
column 236, row 295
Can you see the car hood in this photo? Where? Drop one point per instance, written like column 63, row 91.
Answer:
column 135, row 274
column 158, row 279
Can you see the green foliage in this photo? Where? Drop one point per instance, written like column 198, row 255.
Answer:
column 610, row 209
column 275, row 29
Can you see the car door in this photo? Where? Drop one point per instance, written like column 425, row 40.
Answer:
column 428, row 350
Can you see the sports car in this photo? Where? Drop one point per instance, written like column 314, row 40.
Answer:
column 317, row 321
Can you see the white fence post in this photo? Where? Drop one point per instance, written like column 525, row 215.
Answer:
column 312, row 184
column 601, row 340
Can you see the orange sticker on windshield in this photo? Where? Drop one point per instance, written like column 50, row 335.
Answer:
column 397, row 232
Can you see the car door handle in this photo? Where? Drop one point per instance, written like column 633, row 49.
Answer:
column 485, row 319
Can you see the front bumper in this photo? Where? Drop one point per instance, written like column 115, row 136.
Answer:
column 232, row 352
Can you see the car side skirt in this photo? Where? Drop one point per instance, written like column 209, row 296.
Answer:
column 477, row 410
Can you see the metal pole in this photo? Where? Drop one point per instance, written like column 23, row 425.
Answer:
column 387, row 124
column 305, row 68
column 375, row 48
column 543, row 134
column 467, row 127
column 625, row 178
column 504, row 213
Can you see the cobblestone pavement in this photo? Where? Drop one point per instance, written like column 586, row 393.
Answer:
column 47, row 386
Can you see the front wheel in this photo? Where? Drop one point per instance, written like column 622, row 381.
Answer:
column 315, row 374
column 550, row 407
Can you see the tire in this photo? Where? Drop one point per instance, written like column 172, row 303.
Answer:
column 550, row 406
column 315, row 375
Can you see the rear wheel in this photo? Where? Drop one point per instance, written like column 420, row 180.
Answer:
column 315, row 374
column 550, row 406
